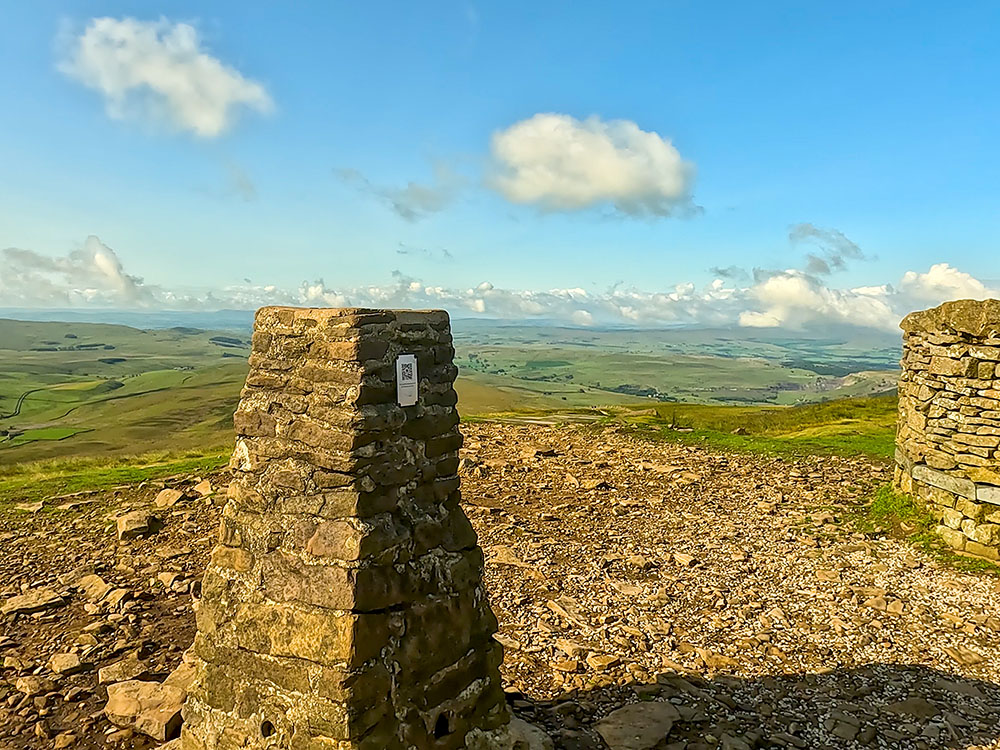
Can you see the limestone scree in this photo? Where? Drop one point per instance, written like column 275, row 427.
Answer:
column 948, row 439
column 343, row 606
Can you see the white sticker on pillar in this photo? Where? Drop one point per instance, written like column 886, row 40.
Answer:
column 406, row 379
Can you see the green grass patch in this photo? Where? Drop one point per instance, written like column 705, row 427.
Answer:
column 897, row 515
column 38, row 480
column 852, row 426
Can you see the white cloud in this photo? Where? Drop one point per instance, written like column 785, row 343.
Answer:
column 94, row 276
column 563, row 164
column 794, row 299
column 158, row 71
column 942, row 281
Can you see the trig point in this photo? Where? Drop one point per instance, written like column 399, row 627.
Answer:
column 343, row 607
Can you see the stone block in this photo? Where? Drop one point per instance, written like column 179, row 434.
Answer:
column 953, row 484
column 988, row 493
column 985, row 533
column 985, row 352
column 952, row 537
column 982, row 550
column 982, row 441
column 954, row 368
column 952, row 518
column 970, row 508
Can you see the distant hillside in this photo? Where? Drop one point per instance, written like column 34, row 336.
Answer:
column 82, row 388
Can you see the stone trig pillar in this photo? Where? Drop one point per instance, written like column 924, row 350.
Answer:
column 343, row 606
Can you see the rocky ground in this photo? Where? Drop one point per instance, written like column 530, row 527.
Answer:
column 650, row 595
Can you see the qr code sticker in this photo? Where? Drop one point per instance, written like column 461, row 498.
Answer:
column 406, row 371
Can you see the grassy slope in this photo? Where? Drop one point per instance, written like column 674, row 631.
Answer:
column 846, row 426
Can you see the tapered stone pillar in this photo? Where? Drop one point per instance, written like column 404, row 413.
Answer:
column 343, row 606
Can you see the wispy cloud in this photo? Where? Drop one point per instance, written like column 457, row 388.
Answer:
column 415, row 200
column 834, row 249
column 559, row 163
column 440, row 253
column 240, row 182
column 730, row 272
column 158, row 71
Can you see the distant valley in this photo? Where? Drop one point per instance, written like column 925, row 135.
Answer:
column 84, row 388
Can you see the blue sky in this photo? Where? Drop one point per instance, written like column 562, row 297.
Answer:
column 872, row 122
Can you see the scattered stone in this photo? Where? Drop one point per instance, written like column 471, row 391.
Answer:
column 527, row 736
column 168, row 498
column 36, row 600
column 684, row 560
column 603, row 662
column 137, row 524
column 94, row 587
column 151, row 708
column 31, row 685
column 30, row 507
column 124, row 670
column 203, row 488
column 66, row 663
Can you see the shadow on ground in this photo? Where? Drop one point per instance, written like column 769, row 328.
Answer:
column 878, row 705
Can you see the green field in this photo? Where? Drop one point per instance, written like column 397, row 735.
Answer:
column 79, row 389
column 689, row 366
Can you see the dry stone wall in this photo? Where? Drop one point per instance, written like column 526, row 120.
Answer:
column 343, row 606
column 948, row 439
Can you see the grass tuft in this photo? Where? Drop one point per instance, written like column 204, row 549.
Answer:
column 897, row 515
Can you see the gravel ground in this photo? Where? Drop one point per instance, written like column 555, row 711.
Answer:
column 701, row 599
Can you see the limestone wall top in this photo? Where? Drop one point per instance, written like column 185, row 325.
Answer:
column 979, row 318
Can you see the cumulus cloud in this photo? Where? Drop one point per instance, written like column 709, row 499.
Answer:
column 795, row 299
column 942, row 281
column 93, row 275
column 560, row 163
column 158, row 71
column 834, row 248
column 415, row 200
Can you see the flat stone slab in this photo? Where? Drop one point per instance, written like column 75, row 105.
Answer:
column 152, row 708
column 988, row 493
column 33, row 601
column 640, row 726
column 935, row 478
column 525, row 736
column 168, row 498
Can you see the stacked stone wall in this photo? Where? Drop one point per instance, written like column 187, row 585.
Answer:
column 343, row 606
column 948, row 438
